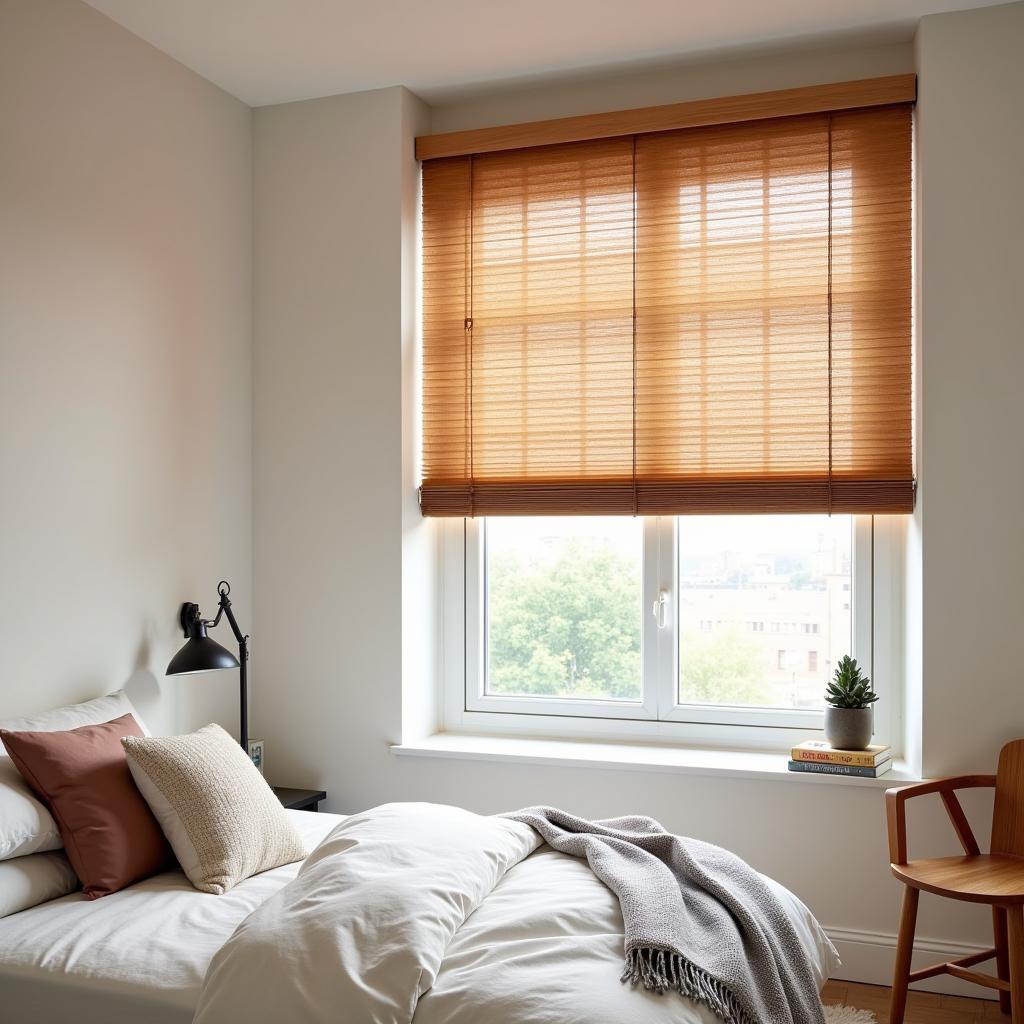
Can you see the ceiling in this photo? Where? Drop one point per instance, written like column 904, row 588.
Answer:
column 273, row 51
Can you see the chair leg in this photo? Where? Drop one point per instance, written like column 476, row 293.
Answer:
column 904, row 952
column 1002, row 954
column 1015, row 944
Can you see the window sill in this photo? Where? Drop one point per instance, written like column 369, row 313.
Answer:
column 737, row 764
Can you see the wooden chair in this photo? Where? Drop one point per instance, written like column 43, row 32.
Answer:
column 995, row 878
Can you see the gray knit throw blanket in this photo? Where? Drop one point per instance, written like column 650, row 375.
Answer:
column 697, row 918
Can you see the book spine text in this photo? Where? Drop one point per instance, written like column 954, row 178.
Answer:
column 823, row 768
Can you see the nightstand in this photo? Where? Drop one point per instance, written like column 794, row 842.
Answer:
column 299, row 799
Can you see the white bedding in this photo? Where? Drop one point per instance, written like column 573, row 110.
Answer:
column 429, row 913
column 545, row 947
column 135, row 957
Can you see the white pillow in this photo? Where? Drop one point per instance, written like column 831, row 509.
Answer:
column 28, row 881
column 71, row 716
column 26, row 826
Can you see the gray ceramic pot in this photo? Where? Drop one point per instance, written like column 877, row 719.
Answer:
column 849, row 728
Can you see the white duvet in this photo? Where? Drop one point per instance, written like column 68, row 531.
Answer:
column 430, row 912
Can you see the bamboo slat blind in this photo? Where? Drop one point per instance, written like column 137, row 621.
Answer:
column 709, row 320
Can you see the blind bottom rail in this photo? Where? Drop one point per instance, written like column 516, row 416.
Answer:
column 668, row 497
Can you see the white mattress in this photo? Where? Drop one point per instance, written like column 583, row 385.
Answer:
column 135, row 957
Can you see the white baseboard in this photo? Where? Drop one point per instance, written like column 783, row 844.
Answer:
column 868, row 957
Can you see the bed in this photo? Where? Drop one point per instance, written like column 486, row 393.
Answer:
column 140, row 955
column 405, row 913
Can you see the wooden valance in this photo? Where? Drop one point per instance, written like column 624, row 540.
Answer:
column 814, row 99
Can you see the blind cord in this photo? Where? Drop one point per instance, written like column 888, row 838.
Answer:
column 469, row 343
column 636, row 500
column 830, row 315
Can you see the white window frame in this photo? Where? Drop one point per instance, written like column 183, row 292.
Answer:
column 877, row 631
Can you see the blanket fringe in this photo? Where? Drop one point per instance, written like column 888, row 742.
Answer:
column 662, row 970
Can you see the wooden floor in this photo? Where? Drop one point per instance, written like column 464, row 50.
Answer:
column 922, row 1007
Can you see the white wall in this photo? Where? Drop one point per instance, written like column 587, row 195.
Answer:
column 971, row 207
column 125, row 325
column 813, row 63
column 421, row 624
column 335, row 507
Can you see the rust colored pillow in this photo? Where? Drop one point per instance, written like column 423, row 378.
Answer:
column 109, row 832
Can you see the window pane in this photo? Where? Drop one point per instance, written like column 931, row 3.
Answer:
column 764, row 608
column 563, row 607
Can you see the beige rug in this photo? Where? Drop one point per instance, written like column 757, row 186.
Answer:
column 848, row 1015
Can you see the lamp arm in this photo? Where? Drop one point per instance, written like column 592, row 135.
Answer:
column 225, row 610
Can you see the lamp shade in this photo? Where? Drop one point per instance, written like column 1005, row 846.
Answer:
column 200, row 654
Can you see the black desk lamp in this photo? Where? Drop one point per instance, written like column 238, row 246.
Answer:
column 201, row 654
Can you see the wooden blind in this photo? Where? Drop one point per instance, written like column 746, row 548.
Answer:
column 708, row 320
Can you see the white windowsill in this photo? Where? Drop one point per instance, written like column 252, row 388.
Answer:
column 737, row 764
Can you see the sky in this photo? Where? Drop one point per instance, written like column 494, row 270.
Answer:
column 748, row 535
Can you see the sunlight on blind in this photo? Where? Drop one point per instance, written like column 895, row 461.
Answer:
column 706, row 320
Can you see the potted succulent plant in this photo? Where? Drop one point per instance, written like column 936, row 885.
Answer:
column 849, row 714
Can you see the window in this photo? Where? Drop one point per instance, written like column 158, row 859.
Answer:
column 666, row 397
column 612, row 620
column 562, row 612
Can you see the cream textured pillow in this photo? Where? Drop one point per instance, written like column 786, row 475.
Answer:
column 219, row 815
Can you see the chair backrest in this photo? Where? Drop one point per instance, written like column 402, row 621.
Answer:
column 1008, row 816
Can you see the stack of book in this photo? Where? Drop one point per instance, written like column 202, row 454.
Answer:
column 818, row 757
